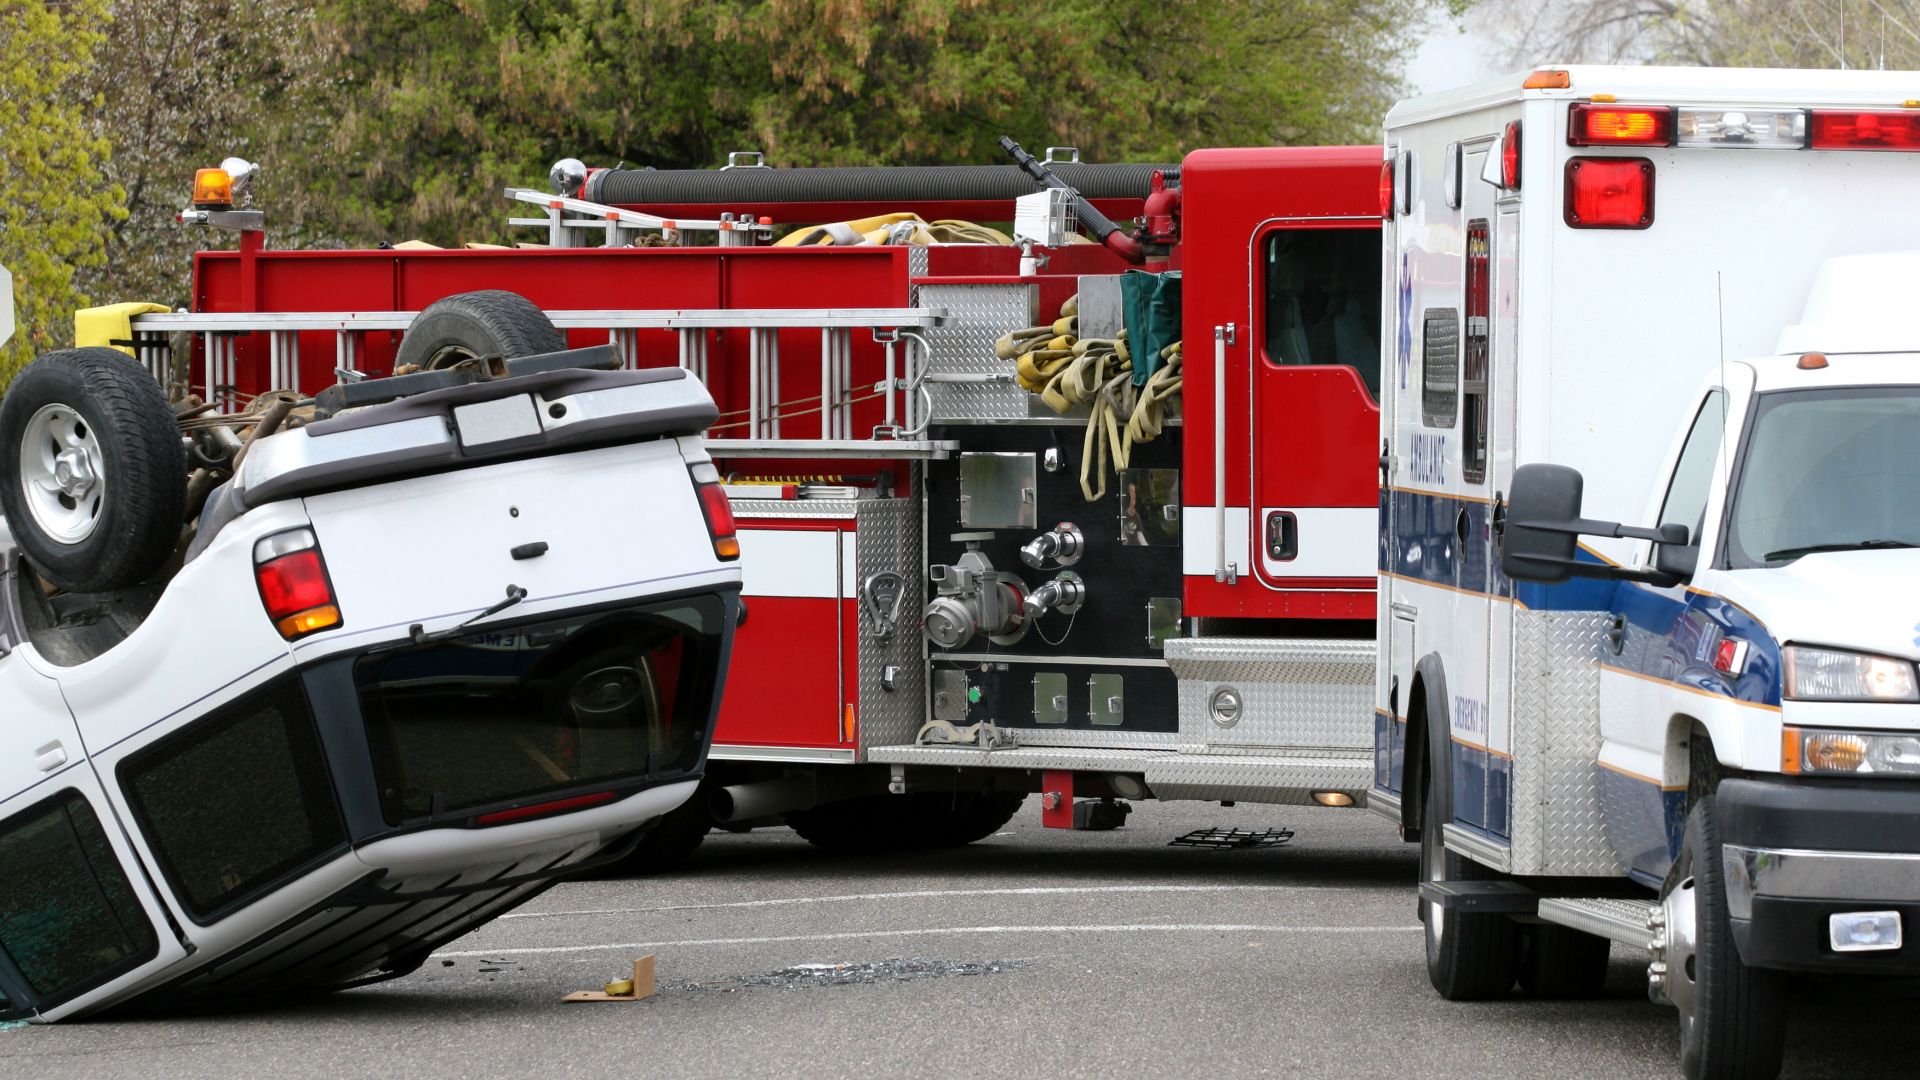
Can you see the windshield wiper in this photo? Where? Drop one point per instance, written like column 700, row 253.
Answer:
column 1849, row 545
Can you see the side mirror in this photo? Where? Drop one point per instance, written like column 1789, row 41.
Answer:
column 1543, row 495
column 1542, row 523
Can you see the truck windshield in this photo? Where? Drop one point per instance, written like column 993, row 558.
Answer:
column 1827, row 470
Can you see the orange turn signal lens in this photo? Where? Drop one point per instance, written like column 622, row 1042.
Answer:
column 212, row 189
column 302, row 623
column 1547, row 79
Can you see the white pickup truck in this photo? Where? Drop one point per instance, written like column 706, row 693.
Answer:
column 410, row 669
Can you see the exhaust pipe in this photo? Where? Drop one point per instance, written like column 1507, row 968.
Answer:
column 762, row 798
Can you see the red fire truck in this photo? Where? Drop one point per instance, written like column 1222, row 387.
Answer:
column 956, row 595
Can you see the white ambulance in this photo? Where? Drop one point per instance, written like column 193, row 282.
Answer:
column 1647, row 666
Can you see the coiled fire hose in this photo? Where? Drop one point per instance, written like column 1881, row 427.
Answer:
column 897, row 228
column 1052, row 360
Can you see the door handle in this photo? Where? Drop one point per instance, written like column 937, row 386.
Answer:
column 50, row 757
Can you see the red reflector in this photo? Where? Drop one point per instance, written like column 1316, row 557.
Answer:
column 719, row 512
column 1730, row 656
column 1510, row 157
column 1834, row 130
column 557, row 806
column 293, row 583
column 1609, row 193
column 1619, row 125
column 1386, row 190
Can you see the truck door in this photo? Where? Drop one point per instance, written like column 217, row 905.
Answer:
column 77, row 912
column 1316, row 386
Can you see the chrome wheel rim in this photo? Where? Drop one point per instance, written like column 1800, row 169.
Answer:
column 1682, row 986
column 1433, row 867
column 63, row 473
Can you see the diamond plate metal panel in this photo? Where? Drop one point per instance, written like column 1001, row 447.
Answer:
column 831, row 509
column 1270, row 778
column 1295, row 693
column 1558, row 827
column 888, row 538
column 1090, row 759
column 977, row 316
column 1624, row 921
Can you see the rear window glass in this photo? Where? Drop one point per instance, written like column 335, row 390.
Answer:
column 1323, row 299
column 68, row 918
column 238, row 802
column 510, row 714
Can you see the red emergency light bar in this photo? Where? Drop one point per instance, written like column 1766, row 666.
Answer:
column 1619, row 125
column 1845, row 129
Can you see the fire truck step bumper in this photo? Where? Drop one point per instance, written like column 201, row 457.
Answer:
column 1270, row 778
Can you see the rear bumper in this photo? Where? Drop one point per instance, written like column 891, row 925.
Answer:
column 1270, row 777
column 1797, row 853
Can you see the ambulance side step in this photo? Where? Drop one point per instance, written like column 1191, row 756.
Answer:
column 1624, row 921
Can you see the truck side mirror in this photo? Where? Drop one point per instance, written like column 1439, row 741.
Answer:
column 1678, row 556
column 1543, row 495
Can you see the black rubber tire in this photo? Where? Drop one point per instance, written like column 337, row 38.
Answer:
column 1739, row 1032
column 1470, row 956
column 1561, row 963
column 486, row 323
column 914, row 822
column 672, row 839
column 144, row 464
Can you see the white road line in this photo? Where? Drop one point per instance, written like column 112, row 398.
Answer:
column 923, row 894
column 1218, row 928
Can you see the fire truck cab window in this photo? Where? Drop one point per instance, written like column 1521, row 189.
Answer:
column 1322, row 291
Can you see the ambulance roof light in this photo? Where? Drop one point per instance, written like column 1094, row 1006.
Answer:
column 1851, row 129
column 1510, row 156
column 1548, row 79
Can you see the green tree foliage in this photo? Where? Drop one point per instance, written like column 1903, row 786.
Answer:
column 57, row 209
column 441, row 103
column 1721, row 33
column 184, row 85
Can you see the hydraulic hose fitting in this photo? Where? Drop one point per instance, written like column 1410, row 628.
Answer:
column 1064, row 544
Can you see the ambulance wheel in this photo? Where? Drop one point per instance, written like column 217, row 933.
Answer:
column 1732, row 1017
column 491, row 322
column 1471, row 956
column 1562, row 963
column 95, row 475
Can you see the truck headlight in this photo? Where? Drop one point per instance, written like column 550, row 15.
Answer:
column 1809, row 752
column 1835, row 675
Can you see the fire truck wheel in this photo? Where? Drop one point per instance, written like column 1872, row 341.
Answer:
column 95, row 476
column 1471, row 956
column 668, row 841
column 960, row 819
column 487, row 323
column 1732, row 1017
column 1561, row 963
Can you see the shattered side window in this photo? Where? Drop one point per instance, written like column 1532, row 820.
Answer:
column 68, row 918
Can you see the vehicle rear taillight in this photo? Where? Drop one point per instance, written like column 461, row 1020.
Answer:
column 1619, row 125
column 1386, row 190
column 293, row 582
column 1837, row 129
column 1609, row 193
column 546, row 809
column 1510, row 157
column 718, row 511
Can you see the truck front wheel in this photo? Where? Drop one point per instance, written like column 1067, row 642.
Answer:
column 1732, row 1017
column 1471, row 956
column 911, row 822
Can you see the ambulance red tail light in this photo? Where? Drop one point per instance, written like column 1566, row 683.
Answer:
column 294, row 587
column 1609, row 193
column 1386, row 190
column 716, row 508
column 1510, row 157
column 1845, row 129
column 1619, row 125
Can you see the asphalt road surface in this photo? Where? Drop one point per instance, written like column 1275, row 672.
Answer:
column 1032, row 954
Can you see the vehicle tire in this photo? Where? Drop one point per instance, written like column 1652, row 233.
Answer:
column 93, row 474
column 486, row 323
column 1732, row 1017
column 863, row 825
column 1470, row 956
column 1561, row 963
column 961, row 818
column 671, row 839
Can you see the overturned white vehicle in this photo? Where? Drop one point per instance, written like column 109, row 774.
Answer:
column 407, row 668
